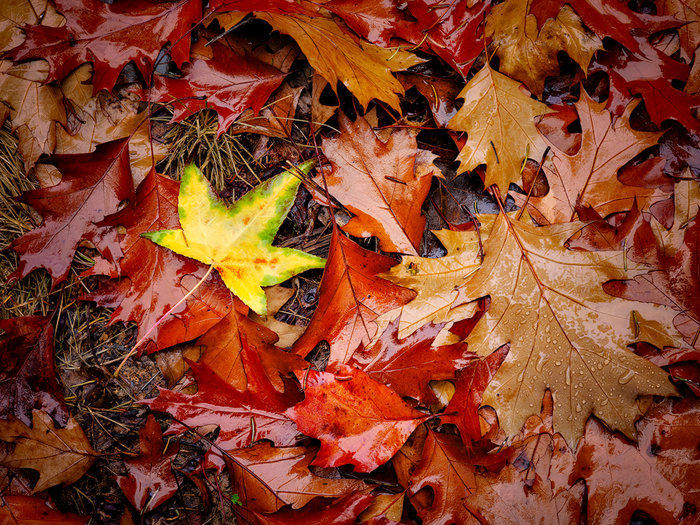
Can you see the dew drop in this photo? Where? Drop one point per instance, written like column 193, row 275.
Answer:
column 626, row 377
column 540, row 362
column 604, row 401
column 548, row 340
column 558, row 363
column 568, row 376
column 578, row 407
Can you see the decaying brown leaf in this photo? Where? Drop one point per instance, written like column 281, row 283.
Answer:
column 60, row 455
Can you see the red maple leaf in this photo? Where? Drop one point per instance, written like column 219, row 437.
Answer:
column 649, row 74
column 227, row 82
column 408, row 365
column 364, row 423
column 454, row 31
column 111, row 35
column 351, row 298
column 243, row 416
column 150, row 480
column 342, row 511
column 92, row 187
column 28, row 379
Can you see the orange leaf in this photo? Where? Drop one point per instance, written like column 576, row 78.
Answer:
column 365, row 423
column 383, row 184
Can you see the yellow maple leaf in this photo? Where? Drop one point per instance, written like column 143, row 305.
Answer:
column 237, row 241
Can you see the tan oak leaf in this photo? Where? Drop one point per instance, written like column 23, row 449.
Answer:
column 60, row 455
column 565, row 333
column 499, row 120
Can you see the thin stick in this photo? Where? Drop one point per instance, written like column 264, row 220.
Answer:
column 166, row 314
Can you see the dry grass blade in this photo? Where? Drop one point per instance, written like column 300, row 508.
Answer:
column 27, row 296
column 222, row 159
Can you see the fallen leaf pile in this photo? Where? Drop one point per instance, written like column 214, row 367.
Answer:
column 499, row 322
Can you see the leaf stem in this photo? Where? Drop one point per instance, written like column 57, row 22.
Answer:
column 166, row 314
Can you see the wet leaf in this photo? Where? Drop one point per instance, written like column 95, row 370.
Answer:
column 674, row 282
column 268, row 478
column 445, row 468
column 33, row 106
column 60, row 455
column 28, row 379
column 150, row 480
column 355, row 431
column 105, row 117
column 408, row 365
column 383, row 183
column 342, row 511
column 588, row 178
column 437, row 282
column 92, row 187
column 365, row 69
column 150, row 279
column 226, row 82
column 471, row 382
column 622, row 478
column 453, row 30
column 529, row 54
column 351, row 296
column 30, row 510
column 111, row 35
column 499, row 119
column 566, row 334
column 650, row 74
column 530, row 485
column 243, row 416
column 237, row 241
column 228, row 342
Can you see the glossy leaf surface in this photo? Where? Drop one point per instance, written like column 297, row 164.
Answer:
column 355, row 431
column 383, row 183
column 28, row 379
column 92, row 187
column 351, row 298
column 243, row 416
column 226, row 82
column 499, row 119
column 237, row 241
column 566, row 334
column 111, row 35
column 272, row 477
column 150, row 279
column 150, row 480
